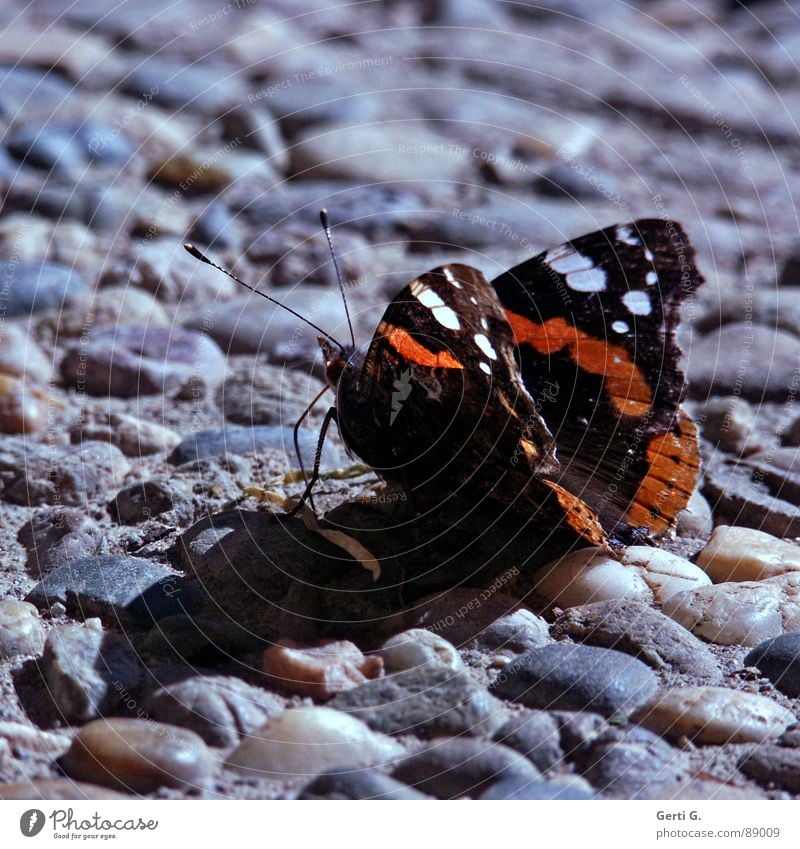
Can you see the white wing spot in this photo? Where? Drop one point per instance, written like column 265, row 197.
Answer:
column 651, row 278
column 588, row 280
column 441, row 312
column 567, row 260
column 485, row 345
column 485, row 367
column 484, row 323
column 450, row 279
column 637, row 302
column 620, row 327
column 626, row 236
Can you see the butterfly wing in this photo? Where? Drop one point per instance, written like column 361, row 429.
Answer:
column 596, row 318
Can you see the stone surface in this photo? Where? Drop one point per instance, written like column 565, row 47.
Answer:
column 131, row 360
column 745, row 554
column 696, row 521
column 220, row 708
column 575, row 677
column 516, row 788
column 133, row 436
column 449, row 768
column 138, row 756
column 364, row 784
column 774, row 766
column 33, row 474
column 23, row 408
column 143, row 500
column 663, row 572
column 320, row 670
column 637, row 629
column 535, row 734
column 21, row 630
column 426, row 701
column 746, row 612
column 87, row 670
column 309, row 741
column 714, row 715
column 419, row 647
column 105, row 585
column 730, row 424
column 779, row 660
column 56, row 536
column 56, row 789
column 20, row 356
column 35, row 286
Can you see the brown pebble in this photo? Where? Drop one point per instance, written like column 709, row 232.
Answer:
column 22, row 409
column 137, row 756
column 321, row 669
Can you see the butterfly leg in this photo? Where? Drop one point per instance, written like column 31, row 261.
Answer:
column 330, row 416
column 296, row 439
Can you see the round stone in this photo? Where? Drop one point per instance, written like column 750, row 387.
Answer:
column 22, row 408
column 21, row 631
column 35, row 286
column 309, row 741
column 576, row 677
column 779, row 660
column 714, row 715
column 745, row 554
column 773, row 765
column 695, row 521
column 419, row 647
column 138, row 755
column 452, row 767
column 665, row 573
column 739, row 613
column 572, row 788
column 58, row 535
column 361, row 784
column 20, row 356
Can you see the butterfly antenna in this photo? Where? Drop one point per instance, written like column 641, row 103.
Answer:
column 326, row 226
column 197, row 254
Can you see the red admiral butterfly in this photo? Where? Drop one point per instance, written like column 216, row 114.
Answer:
column 554, row 389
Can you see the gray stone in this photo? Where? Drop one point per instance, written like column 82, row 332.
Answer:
column 58, row 535
column 33, row 474
column 535, row 734
column 31, row 287
column 143, row 500
column 220, row 708
column 449, row 768
column 425, row 701
column 21, row 631
column 131, row 360
column 55, row 149
column 106, row 585
column 517, row 788
column 635, row 628
column 574, row 677
column 779, row 660
column 358, row 784
column 773, row 765
column 88, row 672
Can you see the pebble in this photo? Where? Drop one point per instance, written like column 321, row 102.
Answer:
column 696, row 520
column 309, row 741
column 591, row 575
column 105, row 585
column 143, row 500
column 517, row 788
column 769, row 358
column 32, row 474
column 20, row 356
column 220, row 708
column 637, row 629
column 21, row 630
column 536, row 734
column 88, row 671
column 57, row 789
column 772, row 765
column 31, row 287
column 320, row 670
column 744, row 613
column 730, row 424
column 53, row 148
column 132, row 360
column 452, row 767
column 202, row 170
column 138, row 756
column 259, row 131
column 215, row 228
column 745, row 554
column 426, row 701
column 267, row 395
column 23, row 409
column 480, row 621
column 714, row 715
column 363, row 784
column 235, row 440
column 632, row 763
column 109, row 307
column 779, row 660
column 58, row 535
column 419, row 647
column 575, row 677
column 135, row 437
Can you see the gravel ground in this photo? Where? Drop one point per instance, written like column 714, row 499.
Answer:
column 177, row 627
